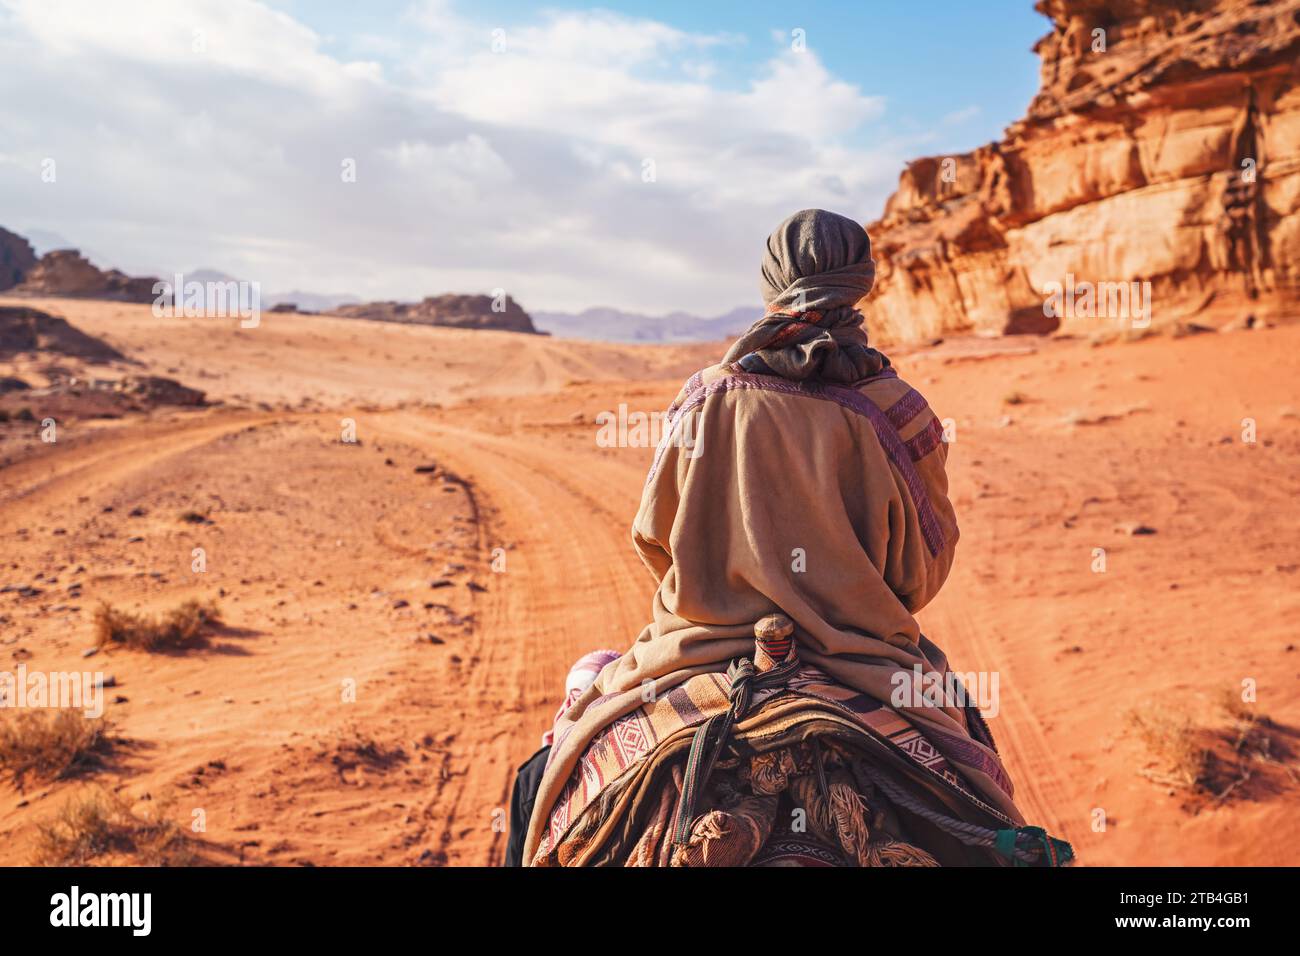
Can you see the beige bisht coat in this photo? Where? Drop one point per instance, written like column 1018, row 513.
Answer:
column 828, row 502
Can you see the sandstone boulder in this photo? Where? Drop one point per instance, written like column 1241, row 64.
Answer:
column 156, row 390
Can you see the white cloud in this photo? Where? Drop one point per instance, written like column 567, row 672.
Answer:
column 957, row 117
column 213, row 133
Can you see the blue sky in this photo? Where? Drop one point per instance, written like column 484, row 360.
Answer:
column 631, row 155
column 953, row 72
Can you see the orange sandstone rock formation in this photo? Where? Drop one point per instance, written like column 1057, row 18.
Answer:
column 452, row 310
column 66, row 272
column 1163, row 147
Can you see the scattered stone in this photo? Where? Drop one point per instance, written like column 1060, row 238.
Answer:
column 440, row 583
column 1135, row 528
column 475, row 587
column 90, row 652
column 425, row 469
column 401, row 603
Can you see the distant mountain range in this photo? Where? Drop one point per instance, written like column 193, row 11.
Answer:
column 614, row 325
column 304, row 301
column 601, row 324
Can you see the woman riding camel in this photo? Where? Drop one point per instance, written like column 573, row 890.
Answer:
column 783, row 706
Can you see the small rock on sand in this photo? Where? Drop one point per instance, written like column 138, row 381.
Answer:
column 1135, row 528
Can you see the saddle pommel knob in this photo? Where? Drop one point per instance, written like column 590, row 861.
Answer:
column 773, row 642
column 773, row 627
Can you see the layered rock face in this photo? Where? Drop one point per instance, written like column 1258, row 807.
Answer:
column 68, row 272
column 17, row 258
column 456, row 311
column 1163, row 147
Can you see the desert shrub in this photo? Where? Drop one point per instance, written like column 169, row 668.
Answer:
column 1213, row 763
column 51, row 744
column 100, row 824
column 1177, row 745
column 178, row 627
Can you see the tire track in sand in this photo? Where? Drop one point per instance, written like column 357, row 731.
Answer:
column 1021, row 742
column 570, row 584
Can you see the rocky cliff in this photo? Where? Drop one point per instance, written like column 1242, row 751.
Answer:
column 16, row 259
column 1163, row 147
column 456, row 311
column 68, row 272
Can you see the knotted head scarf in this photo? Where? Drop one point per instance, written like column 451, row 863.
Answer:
column 816, row 268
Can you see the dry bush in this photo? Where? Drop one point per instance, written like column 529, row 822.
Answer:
column 1250, row 757
column 1238, row 710
column 178, row 627
column 357, row 747
column 1176, row 743
column 52, row 744
column 102, row 824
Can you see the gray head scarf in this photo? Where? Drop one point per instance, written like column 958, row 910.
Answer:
column 816, row 267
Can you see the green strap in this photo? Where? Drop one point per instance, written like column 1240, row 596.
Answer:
column 1005, row 843
column 1054, row 852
